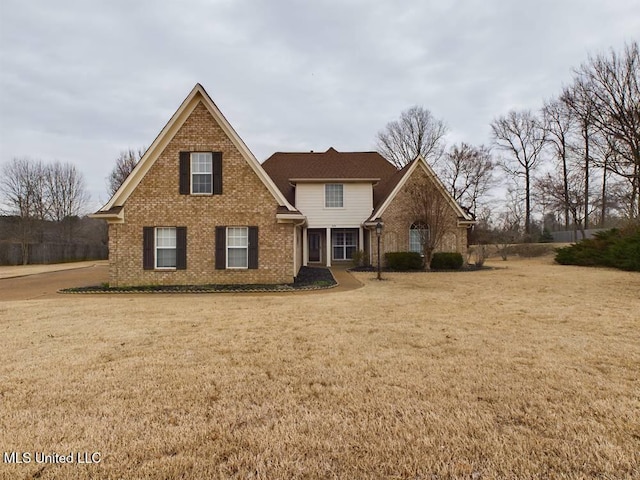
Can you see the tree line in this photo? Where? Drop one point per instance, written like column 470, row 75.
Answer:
column 575, row 162
column 46, row 202
column 42, row 202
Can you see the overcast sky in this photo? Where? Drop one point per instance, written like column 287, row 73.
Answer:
column 82, row 80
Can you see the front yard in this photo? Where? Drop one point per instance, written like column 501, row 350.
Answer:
column 529, row 370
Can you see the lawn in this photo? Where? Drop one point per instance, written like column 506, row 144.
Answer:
column 529, row 370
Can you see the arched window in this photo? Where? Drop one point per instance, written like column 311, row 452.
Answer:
column 418, row 236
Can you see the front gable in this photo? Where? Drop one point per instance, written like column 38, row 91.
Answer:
column 419, row 167
column 187, row 125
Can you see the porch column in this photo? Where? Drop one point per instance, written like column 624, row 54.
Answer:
column 329, row 247
column 360, row 238
column 305, row 247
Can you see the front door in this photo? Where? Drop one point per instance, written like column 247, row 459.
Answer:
column 314, row 246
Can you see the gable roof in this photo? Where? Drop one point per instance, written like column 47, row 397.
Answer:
column 397, row 182
column 285, row 169
column 197, row 95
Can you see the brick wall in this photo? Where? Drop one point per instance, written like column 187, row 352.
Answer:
column 397, row 222
column 156, row 202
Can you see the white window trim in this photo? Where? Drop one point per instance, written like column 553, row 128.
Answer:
column 155, row 248
column 343, row 247
column 191, row 174
column 325, row 196
column 227, row 247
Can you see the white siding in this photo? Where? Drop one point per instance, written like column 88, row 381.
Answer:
column 358, row 204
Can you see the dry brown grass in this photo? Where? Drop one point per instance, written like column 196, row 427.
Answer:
column 528, row 371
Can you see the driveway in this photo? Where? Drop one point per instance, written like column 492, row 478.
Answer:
column 43, row 281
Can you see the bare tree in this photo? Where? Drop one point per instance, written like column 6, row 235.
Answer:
column 509, row 222
column 22, row 188
column 66, row 195
column 417, row 132
column 520, row 134
column 558, row 195
column 431, row 215
column 613, row 86
column 603, row 157
column 580, row 103
column 467, row 172
column 125, row 163
column 559, row 125
column 480, row 236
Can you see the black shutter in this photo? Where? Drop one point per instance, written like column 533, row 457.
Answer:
column 217, row 172
column 253, row 247
column 148, row 242
column 185, row 173
column 221, row 243
column 181, row 248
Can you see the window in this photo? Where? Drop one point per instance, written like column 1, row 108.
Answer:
column 237, row 247
column 333, row 195
column 418, row 236
column 345, row 244
column 201, row 172
column 164, row 248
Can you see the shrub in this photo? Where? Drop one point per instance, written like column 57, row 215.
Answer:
column 481, row 255
column 612, row 248
column 403, row 261
column 447, row 261
column 625, row 253
column 360, row 259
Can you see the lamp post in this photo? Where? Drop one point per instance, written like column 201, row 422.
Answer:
column 378, row 233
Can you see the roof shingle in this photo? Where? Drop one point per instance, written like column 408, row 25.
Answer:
column 282, row 167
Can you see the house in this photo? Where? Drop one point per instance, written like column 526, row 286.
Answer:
column 199, row 208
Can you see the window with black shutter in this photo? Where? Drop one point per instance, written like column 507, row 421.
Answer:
column 200, row 173
column 164, row 248
column 236, row 248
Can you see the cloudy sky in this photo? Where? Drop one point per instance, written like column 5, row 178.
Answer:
column 82, row 80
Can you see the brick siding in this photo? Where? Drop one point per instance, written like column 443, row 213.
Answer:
column 397, row 222
column 156, row 202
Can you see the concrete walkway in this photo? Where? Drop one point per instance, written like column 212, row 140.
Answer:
column 345, row 280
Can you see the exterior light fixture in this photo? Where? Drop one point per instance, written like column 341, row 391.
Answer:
column 378, row 234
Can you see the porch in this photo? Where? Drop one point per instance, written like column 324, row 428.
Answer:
column 333, row 246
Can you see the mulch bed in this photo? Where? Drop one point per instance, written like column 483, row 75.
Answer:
column 309, row 278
